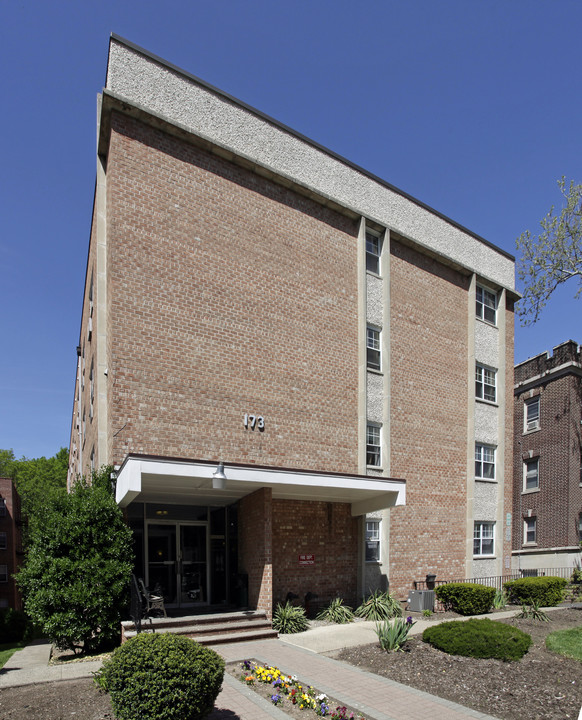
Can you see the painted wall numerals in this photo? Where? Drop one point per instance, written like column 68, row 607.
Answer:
column 253, row 422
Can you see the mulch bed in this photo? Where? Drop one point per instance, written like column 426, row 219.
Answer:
column 540, row 686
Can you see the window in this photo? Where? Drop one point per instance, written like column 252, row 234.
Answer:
column 484, row 462
column 3, row 573
column 485, row 383
column 531, row 474
column 373, row 445
column 373, row 250
column 486, row 305
column 2, row 507
column 3, row 541
column 530, row 530
column 484, row 538
column 372, row 541
column 91, row 390
column 373, row 348
column 580, row 527
column 531, row 414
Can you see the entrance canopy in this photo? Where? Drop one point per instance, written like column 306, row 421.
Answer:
column 161, row 480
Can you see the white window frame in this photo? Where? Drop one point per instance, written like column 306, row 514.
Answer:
column 484, row 462
column 374, row 445
column 530, row 525
column 485, row 383
column 528, row 473
column 372, row 542
column 373, row 252
column 484, row 538
column 531, row 420
column 373, row 348
column 3, row 573
column 486, row 305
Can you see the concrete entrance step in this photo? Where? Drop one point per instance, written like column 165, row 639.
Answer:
column 209, row 629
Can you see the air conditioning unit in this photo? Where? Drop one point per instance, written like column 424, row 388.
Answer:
column 419, row 600
column 532, row 425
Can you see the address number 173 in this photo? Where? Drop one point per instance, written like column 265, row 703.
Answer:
column 254, row 421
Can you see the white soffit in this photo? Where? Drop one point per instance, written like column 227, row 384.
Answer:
column 190, row 483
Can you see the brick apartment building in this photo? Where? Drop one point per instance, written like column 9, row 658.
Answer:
column 11, row 553
column 303, row 374
column 547, row 489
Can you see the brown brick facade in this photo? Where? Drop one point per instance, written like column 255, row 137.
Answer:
column 11, row 553
column 557, row 381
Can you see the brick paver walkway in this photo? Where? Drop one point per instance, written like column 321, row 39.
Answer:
column 377, row 698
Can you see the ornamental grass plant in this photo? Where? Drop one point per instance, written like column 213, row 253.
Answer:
column 379, row 606
column 393, row 635
column 336, row 612
column 288, row 619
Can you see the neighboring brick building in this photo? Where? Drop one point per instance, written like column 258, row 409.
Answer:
column 547, row 472
column 253, row 299
column 11, row 553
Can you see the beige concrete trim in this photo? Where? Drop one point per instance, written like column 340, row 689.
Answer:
column 501, row 419
column 362, row 372
column 101, row 370
column 471, row 325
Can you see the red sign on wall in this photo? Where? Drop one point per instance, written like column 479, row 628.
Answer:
column 307, row 559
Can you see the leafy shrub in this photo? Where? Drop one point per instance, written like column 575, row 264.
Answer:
column 379, row 606
column 546, row 591
column 289, row 618
column 479, row 638
column 158, row 676
column 427, row 613
column 466, row 598
column 76, row 577
column 14, row 626
column 392, row 636
column 336, row 612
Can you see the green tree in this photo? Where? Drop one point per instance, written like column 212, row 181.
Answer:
column 76, row 576
column 554, row 256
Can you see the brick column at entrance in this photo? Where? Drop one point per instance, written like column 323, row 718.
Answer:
column 255, row 527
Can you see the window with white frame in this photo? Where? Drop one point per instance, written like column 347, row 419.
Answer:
column 484, row 462
column 3, row 541
column 531, row 474
column 485, row 386
column 580, row 527
column 373, row 348
column 530, row 530
column 373, row 251
column 484, row 538
column 91, row 390
column 531, row 414
column 372, row 541
column 373, row 444
column 3, row 573
column 486, row 305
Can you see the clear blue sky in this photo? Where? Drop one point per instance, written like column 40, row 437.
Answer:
column 474, row 107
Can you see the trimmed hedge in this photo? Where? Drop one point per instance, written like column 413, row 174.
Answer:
column 479, row 638
column 466, row 598
column 546, row 591
column 158, row 676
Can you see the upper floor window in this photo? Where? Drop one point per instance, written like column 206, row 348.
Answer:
column 484, row 538
column 2, row 507
column 484, row 462
column 373, row 348
column 531, row 474
column 486, row 305
column 530, row 530
column 532, row 414
column 3, row 541
column 485, row 383
column 3, row 573
column 373, row 445
column 373, row 251
column 372, row 541
column 580, row 527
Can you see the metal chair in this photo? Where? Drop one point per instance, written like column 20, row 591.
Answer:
column 154, row 601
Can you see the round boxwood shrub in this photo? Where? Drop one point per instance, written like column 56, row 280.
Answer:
column 466, row 598
column 545, row 591
column 479, row 638
column 158, row 676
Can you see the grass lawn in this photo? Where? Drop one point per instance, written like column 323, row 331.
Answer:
column 566, row 642
column 8, row 649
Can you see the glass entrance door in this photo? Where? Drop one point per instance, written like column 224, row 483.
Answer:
column 177, row 562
